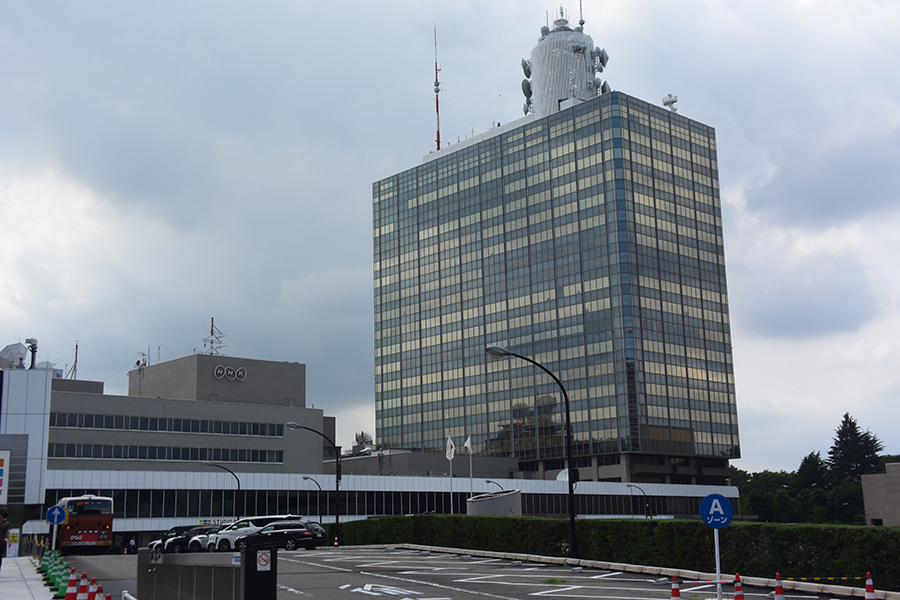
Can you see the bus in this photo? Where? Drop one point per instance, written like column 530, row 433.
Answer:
column 88, row 529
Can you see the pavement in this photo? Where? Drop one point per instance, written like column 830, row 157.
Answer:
column 20, row 580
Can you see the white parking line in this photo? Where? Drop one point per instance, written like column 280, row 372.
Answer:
column 606, row 575
column 556, row 591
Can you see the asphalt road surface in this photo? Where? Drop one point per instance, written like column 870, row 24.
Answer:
column 354, row 574
column 114, row 572
column 361, row 573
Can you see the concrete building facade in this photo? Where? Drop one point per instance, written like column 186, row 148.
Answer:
column 880, row 494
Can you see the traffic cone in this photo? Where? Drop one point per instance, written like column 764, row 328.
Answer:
column 72, row 588
column 82, row 588
column 61, row 578
column 870, row 587
column 92, row 589
column 676, row 591
column 779, row 591
column 335, row 542
column 100, row 595
column 738, row 588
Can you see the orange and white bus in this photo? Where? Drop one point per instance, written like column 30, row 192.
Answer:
column 88, row 529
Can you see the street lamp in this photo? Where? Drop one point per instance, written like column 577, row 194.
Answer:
column 207, row 463
column 641, row 490
column 337, row 474
column 501, row 352
column 318, row 504
column 494, row 482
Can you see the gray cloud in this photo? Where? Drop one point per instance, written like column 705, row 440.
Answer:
column 814, row 299
column 841, row 184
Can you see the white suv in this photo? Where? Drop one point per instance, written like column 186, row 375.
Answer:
column 223, row 540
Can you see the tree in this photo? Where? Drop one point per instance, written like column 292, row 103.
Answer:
column 812, row 473
column 853, row 453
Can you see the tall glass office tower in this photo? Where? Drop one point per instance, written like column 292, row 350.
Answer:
column 589, row 239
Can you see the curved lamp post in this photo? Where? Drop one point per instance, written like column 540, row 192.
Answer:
column 207, row 463
column 318, row 504
column 501, row 352
column 646, row 501
column 337, row 474
column 494, row 482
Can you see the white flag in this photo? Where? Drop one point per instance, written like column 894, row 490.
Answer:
column 468, row 445
column 451, row 449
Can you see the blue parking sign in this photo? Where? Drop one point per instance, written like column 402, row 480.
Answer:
column 716, row 511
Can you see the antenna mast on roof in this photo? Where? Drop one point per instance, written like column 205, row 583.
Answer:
column 214, row 342
column 437, row 89
column 580, row 14
column 73, row 372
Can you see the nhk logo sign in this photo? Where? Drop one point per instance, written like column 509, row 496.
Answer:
column 230, row 373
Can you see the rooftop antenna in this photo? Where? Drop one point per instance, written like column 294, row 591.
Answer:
column 213, row 344
column 437, row 90
column 73, row 372
column 580, row 14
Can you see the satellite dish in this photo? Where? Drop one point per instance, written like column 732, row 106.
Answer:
column 526, row 88
column 526, row 67
column 669, row 102
column 605, row 89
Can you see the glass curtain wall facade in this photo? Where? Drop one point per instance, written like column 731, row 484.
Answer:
column 589, row 240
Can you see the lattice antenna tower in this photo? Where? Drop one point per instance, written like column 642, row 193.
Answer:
column 213, row 344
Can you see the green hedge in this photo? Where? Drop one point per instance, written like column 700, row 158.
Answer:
column 751, row 549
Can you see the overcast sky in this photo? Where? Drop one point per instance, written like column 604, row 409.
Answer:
column 162, row 163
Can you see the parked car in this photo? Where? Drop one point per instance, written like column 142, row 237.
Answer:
column 198, row 542
column 156, row 546
column 179, row 543
column 289, row 535
column 223, row 540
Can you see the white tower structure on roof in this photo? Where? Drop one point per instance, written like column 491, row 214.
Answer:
column 563, row 65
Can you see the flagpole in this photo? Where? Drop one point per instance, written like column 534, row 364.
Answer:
column 470, row 474
column 451, row 450
column 451, row 486
column 468, row 446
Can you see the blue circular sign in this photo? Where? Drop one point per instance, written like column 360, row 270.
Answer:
column 56, row 515
column 716, row 511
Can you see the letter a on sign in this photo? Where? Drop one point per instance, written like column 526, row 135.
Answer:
column 716, row 511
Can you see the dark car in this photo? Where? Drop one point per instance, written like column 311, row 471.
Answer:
column 289, row 535
column 156, row 546
column 179, row 543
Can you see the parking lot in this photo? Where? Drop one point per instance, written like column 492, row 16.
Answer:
column 423, row 575
column 417, row 574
